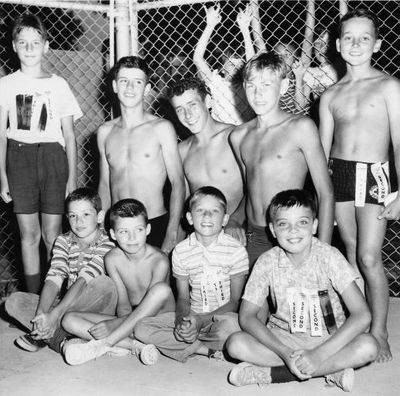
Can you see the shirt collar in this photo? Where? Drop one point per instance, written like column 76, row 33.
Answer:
column 193, row 241
column 100, row 233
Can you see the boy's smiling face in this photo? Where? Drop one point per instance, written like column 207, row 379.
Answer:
column 84, row 219
column 294, row 228
column 207, row 217
column 30, row 47
column 130, row 233
column 357, row 41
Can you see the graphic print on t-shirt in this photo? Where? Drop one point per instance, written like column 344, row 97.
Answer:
column 32, row 112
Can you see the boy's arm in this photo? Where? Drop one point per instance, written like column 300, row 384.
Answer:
column 173, row 165
column 213, row 18
column 317, row 165
column 326, row 124
column 243, row 21
column 392, row 96
column 67, row 125
column 251, row 324
column 182, row 305
column 343, row 8
column 235, row 224
column 104, row 182
column 4, row 189
column 357, row 323
column 256, row 26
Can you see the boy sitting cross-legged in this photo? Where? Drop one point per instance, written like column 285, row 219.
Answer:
column 140, row 273
column 78, row 259
column 210, row 268
column 308, row 335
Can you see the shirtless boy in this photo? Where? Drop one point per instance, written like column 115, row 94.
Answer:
column 138, row 151
column 359, row 116
column 141, row 275
column 207, row 157
column 276, row 150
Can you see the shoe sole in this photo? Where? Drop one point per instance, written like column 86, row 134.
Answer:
column 27, row 346
column 149, row 355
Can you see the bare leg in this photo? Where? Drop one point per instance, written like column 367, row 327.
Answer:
column 29, row 229
column 371, row 234
column 51, row 229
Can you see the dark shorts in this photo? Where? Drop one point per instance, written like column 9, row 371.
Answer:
column 372, row 181
column 37, row 177
column 259, row 240
column 158, row 230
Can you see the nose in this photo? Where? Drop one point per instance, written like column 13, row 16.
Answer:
column 355, row 42
column 131, row 236
column 131, row 84
column 188, row 112
column 29, row 47
column 207, row 213
column 79, row 220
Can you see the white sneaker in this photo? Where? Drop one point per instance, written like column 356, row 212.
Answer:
column 148, row 353
column 248, row 374
column 343, row 379
column 76, row 352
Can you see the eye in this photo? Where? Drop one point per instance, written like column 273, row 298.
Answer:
column 71, row 216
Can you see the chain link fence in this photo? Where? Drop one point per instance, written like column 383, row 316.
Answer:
column 168, row 32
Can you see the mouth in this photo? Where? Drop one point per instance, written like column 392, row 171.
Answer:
column 294, row 241
column 207, row 224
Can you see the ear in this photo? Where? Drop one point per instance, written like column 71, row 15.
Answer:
column 189, row 218
column 13, row 45
column 225, row 220
column 114, row 85
column 100, row 216
column 284, row 86
column 148, row 229
column 147, row 88
column 46, row 46
column 315, row 226
column 271, row 228
column 377, row 45
column 112, row 234
column 338, row 45
column 208, row 101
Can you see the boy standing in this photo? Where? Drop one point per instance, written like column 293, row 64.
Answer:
column 210, row 268
column 78, row 259
column 359, row 117
column 38, row 165
column 138, row 151
column 276, row 151
column 206, row 155
column 141, row 274
column 308, row 332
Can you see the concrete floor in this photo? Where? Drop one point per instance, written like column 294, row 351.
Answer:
column 45, row 373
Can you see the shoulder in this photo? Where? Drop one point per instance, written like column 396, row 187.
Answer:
column 302, row 127
column 390, row 84
column 184, row 146
column 238, row 132
column 156, row 257
column 113, row 256
column 107, row 127
column 162, row 127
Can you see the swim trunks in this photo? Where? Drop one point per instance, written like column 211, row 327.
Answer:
column 158, row 230
column 259, row 240
column 361, row 182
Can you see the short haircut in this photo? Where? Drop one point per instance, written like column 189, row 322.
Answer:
column 131, row 62
column 84, row 194
column 208, row 191
column 29, row 21
column 266, row 60
column 128, row 207
column 179, row 87
column 289, row 199
column 360, row 13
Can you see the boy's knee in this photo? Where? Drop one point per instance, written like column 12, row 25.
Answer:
column 368, row 348
column 67, row 320
column 369, row 260
column 161, row 290
column 143, row 330
column 14, row 302
column 226, row 325
column 235, row 344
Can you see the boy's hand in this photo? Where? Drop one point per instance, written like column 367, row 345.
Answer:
column 298, row 70
column 290, row 362
column 213, row 16
column 102, row 329
column 243, row 18
column 71, row 186
column 44, row 326
column 189, row 329
column 5, row 192
column 308, row 361
column 391, row 211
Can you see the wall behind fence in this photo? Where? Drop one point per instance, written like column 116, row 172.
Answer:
column 167, row 37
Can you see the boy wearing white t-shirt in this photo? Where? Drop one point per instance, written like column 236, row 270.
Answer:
column 37, row 145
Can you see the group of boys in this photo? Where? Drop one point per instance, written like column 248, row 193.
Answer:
column 308, row 334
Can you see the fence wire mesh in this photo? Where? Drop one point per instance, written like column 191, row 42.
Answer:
column 168, row 32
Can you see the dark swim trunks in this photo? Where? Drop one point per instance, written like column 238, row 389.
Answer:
column 158, row 230
column 361, row 182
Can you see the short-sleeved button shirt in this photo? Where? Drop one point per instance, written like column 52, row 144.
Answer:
column 225, row 257
column 274, row 273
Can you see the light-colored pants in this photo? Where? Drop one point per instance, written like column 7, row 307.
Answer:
column 159, row 330
column 99, row 295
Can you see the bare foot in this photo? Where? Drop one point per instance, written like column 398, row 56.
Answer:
column 384, row 354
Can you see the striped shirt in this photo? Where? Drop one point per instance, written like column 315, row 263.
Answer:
column 223, row 260
column 70, row 262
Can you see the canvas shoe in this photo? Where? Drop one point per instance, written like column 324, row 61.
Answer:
column 248, row 374
column 147, row 353
column 78, row 351
column 343, row 379
column 27, row 343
